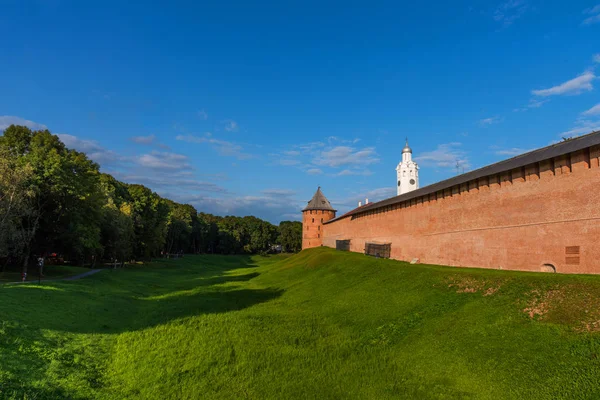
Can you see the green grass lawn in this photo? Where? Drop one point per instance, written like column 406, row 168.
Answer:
column 318, row 325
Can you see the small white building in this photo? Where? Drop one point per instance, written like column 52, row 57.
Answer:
column 407, row 172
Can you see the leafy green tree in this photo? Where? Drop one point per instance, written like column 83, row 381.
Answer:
column 117, row 223
column 179, row 227
column 15, row 199
column 150, row 216
column 290, row 236
column 63, row 212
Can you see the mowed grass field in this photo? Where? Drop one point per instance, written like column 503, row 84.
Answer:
column 318, row 325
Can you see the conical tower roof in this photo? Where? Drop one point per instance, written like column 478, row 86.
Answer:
column 319, row 202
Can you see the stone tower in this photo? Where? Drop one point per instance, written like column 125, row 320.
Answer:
column 317, row 212
column 407, row 172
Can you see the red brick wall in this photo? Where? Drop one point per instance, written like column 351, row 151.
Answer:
column 545, row 213
column 312, row 227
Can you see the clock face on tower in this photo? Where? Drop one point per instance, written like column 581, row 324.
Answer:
column 412, row 182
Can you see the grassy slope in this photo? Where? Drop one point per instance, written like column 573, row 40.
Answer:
column 321, row 324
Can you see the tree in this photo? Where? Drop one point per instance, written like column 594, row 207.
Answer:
column 63, row 210
column 117, row 224
column 179, row 227
column 150, row 216
column 54, row 199
column 15, row 199
column 290, row 236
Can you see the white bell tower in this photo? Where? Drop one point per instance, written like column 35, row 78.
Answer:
column 407, row 172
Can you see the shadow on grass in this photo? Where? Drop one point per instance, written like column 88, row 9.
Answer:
column 137, row 298
column 38, row 324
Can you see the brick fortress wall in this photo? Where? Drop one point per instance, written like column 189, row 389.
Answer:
column 543, row 214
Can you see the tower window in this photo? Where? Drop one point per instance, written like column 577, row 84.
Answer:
column 398, row 183
column 319, row 236
column 313, row 220
column 321, row 220
column 319, row 227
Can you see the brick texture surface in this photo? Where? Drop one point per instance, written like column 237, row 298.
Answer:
column 312, row 227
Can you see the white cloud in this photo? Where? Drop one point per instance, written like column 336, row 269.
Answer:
column 515, row 151
column 311, row 157
column 223, row 147
column 490, row 121
column 593, row 111
column 374, row 195
column 164, row 160
column 445, row 156
column 349, row 172
column 336, row 139
column 345, row 155
column 202, row 115
column 170, row 182
column 143, row 139
column 594, row 15
column 93, row 150
column 508, row 12
column 597, row 58
column 582, row 127
column 231, row 126
column 533, row 103
column 578, row 85
column 8, row 120
column 273, row 205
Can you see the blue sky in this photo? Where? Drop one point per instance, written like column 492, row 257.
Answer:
column 244, row 107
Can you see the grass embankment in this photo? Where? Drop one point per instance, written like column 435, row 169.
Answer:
column 321, row 324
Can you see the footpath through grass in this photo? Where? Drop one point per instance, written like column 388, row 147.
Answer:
column 318, row 325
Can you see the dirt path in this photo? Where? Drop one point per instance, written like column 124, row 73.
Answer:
column 70, row 278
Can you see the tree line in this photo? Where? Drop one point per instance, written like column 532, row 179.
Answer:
column 55, row 200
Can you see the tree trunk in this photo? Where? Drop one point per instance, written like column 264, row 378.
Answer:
column 25, row 262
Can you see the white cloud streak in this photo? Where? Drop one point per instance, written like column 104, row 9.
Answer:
column 578, row 85
column 345, row 155
column 223, row 147
column 164, row 160
column 231, row 126
column 515, row 151
column 490, row 121
column 508, row 12
column 143, row 139
column 8, row 120
column 93, row 150
column 445, row 156
column 349, row 172
column 582, row 127
column 593, row 111
column 594, row 15
column 533, row 103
